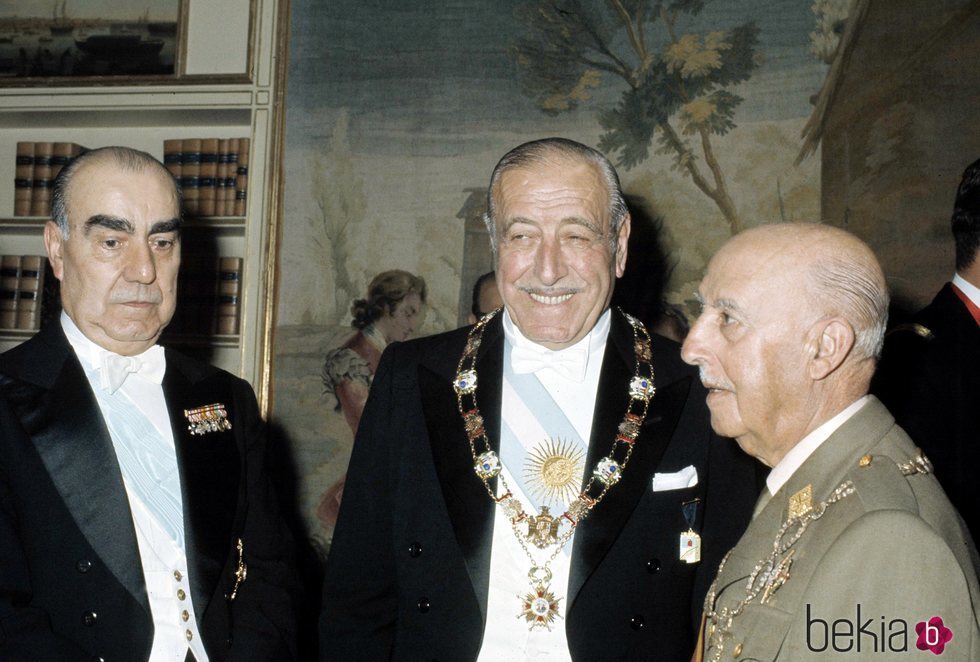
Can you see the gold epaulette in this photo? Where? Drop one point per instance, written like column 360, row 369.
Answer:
column 918, row 329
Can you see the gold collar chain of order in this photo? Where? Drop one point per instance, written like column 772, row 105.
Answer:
column 540, row 606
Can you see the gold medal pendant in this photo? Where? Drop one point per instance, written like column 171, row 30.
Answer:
column 542, row 530
column 553, row 471
column 539, row 606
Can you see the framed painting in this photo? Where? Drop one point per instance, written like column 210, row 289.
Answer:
column 79, row 41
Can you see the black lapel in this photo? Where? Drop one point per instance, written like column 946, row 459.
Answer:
column 66, row 426
column 210, row 469
column 470, row 509
column 601, row 528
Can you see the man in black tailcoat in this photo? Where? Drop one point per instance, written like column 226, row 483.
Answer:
column 545, row 482
column 136, row 517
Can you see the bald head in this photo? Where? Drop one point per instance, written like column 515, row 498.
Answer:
column 840, row 273
column 792, row 321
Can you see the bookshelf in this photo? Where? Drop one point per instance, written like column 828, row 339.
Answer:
column 225, row 87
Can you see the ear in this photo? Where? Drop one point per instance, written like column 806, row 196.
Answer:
column 622, row 242
column 54, row 243
column 829, row 343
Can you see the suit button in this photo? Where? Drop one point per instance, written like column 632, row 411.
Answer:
column 90, row 618
column 424, row 605
column 637, row 622
column 415, row 550
column 653, row 566
column 83, row 566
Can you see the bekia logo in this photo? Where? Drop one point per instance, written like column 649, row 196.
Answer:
column 933, row 635
column 874, row 635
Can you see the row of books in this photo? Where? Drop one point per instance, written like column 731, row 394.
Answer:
column 22, row 289
column 208, row 294
column 38, row 163
column 213, row 174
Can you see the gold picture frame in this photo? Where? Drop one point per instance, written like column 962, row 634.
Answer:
column 102, row 42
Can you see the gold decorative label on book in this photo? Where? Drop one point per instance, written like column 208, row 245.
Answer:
column 209, row 418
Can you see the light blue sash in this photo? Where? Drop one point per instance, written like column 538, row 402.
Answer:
column 148, row 463
column 546, row 412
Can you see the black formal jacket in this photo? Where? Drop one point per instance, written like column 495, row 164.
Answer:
column 408, row 572
column 931, row 384
column 71, row 579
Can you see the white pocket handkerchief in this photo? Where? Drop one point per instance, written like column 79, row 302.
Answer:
column 686, row 477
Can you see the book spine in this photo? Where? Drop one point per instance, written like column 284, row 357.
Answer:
column 9, row 285
column 41, row 192
column 23, row 179
column 209, row 173
column 221, row 183
column 190, row 172
column 228, row 312
column 29, row 293
column 60, row 157
column 241, row 177
column 172, row 157
column 231, row 173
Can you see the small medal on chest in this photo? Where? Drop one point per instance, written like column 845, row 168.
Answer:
column 690, row 542
column 539, row 606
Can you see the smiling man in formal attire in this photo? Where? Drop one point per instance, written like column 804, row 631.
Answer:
column 136, row 517
column 544, row 484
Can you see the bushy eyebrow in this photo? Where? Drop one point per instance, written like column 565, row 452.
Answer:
column 162, row 227
column 109, row 223
column 571, row 220
column 117, row 224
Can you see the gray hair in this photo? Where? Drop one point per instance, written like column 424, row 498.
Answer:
column 126, row 158
column 536, row 151
column 857, row 288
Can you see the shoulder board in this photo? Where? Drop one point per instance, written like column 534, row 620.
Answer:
column 916, row 329
column 880, row 485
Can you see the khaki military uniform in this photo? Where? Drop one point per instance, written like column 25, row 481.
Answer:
column 865, row 579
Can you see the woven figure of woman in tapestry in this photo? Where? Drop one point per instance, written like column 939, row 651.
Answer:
column 393, row 311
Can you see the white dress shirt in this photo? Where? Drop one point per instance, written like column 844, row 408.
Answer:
column 799, row 453
column 971, row 291
column 164, row 562
column 506, row 637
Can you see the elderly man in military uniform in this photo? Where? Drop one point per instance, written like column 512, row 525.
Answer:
column 854, row 547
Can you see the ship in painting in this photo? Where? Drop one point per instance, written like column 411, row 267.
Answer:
column 119, row 46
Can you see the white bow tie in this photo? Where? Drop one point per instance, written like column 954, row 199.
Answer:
column 570, row 363
column 150, row 365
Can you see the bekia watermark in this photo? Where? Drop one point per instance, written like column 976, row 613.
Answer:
column 876, row 634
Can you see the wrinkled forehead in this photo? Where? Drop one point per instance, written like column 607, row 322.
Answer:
column 147, row 194
column 760, row 274
column 553, row 180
